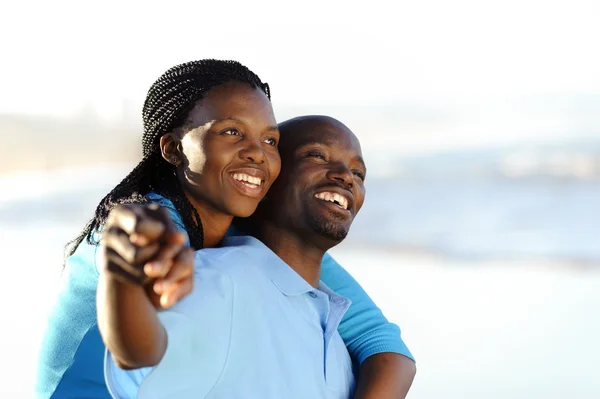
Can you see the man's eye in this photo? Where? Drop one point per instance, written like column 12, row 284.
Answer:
column 315, row 154
column 359, row 173
column 271, row 141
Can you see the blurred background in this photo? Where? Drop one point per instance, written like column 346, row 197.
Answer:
column 480, row 125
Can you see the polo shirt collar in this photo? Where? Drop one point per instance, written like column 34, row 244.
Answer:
column 281, row 274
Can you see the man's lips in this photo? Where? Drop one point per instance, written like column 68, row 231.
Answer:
column 339, row 196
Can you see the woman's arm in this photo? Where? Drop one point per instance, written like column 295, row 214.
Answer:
column 374, row 343
column 131, row 290
column 129, row 324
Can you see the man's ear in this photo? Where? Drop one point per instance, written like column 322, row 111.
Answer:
column 170, row 149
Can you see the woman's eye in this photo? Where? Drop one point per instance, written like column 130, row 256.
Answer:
column 231, row 132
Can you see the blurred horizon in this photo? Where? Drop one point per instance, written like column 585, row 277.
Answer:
column 513, row 180
column 439, row 183
column 560, row 132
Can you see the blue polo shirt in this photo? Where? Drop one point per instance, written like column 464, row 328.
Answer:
column 251, row 328
column 71, row 358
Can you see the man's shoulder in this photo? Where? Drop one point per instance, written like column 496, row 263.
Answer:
column 223, row 276
column 241, row 266
column 237, row 255
column 219, row 254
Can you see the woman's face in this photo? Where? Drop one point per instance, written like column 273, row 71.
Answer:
column 228, row 150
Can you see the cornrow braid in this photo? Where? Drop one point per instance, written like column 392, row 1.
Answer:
column 168, row 103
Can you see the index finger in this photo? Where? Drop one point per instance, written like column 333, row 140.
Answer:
column 138, row 221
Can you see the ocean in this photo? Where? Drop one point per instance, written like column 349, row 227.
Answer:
column 486, row 217
column 495, row 281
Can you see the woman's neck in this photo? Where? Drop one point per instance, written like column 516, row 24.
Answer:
column 214, row 227
column 214, row 223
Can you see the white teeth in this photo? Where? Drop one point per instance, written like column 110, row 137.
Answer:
column 247, row 178
column 333, row 197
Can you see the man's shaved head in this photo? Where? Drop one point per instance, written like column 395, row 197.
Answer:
column 301, row 129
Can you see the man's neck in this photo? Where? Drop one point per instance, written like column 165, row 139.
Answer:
column 300, row 254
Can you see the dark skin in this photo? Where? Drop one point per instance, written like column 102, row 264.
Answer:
column 321, row 154
column 230, row 135
column 222, row 137
column 315, row 166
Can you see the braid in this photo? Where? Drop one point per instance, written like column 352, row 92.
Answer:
column 167, row 105
column 176, row 92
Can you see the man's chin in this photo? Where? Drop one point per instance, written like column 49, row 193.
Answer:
column 334, row 231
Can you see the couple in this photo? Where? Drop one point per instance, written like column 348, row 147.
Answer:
column 210, row 154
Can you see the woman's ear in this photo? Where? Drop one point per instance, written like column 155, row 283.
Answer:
column 170, row 148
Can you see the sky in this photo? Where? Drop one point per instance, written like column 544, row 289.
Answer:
column 62, row 56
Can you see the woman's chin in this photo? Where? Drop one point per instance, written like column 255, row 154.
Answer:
column 242, row 211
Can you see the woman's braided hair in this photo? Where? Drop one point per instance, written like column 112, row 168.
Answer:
column 167, row 105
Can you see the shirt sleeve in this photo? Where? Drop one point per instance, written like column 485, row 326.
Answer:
column 198, row 337
column 364, row 328
column 129, row 384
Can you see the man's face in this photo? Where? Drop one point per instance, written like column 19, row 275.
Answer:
column 321, row 186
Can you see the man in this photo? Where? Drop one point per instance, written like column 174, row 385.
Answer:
column 259, row 323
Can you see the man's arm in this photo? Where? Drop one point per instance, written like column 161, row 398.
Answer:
column 385, row 376
column 386, row 364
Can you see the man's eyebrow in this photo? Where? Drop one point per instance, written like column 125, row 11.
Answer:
column 320, row 142
column 361, row 160
column 328, row 143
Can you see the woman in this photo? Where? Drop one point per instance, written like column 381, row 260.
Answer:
column 187, row 170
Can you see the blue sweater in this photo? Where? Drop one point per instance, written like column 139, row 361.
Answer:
column 70, row 363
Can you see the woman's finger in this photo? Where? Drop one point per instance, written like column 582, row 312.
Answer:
column 162, row 263
column 182, row 269
column 118, row 241
column 143, row 222
column 117, row 266
column 176, row 293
